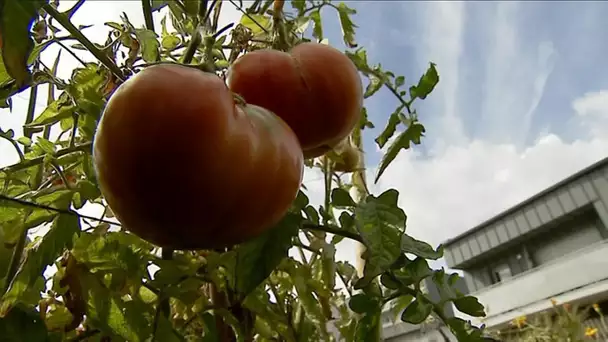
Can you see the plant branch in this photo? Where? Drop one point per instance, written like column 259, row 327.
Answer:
column 16, row 146
column 75, row 32
column 195, row 41
column 147, row 9
column 15, row 260
column 86, row 147
column 57, row 210
column 333, row 230
column 31, row 109
column 60, row 43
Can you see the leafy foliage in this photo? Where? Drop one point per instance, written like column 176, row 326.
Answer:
column 108, row 284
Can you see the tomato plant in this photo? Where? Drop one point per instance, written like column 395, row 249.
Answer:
column 204, row 232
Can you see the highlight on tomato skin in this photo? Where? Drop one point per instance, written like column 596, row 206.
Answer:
column 176, row 158
column 315, row 88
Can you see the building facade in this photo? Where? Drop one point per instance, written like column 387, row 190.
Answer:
column 554, row 245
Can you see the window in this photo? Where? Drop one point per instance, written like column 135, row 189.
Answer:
column 500, row 272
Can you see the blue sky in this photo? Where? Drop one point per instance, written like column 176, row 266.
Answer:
column 522, row 101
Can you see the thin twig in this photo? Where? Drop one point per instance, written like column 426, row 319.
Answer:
column 60, row 43
column 147, row 9
column 75, row 32
column 57, row 210
column 333, row 230
column 86, row 147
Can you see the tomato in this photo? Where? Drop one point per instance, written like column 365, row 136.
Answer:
column 184, row 166
column 315, row 88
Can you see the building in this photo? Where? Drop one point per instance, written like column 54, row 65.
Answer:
column 551, row 246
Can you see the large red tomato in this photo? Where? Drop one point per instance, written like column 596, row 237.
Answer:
column 315, row 88
column 183, row 166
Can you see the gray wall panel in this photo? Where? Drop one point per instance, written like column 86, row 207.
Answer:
column 521, row 222
column 532, row 218
column 554, row 206
column 501, row 230
column 588, row 186
column 456, row 254
column 512, row 229
column 543, row 212
column 578, row 194
column 465, row 249
column 492, row 236
column 474, row 245
column 565, row 199
column 482, row 240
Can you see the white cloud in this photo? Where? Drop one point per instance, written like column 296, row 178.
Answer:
column 441, row 42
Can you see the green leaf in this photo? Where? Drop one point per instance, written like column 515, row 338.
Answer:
column 375, row 83
column 364, row 122
column 170, row 42
column 411, row 135
column 149, row 45
column 340, row 198
column 389, row 130
column 381, row 223
column 389, row 282
column 85, row 88
column 256, row 259
column 259, row 24
column 25, row 141
column 300, row 275
column 464, row 331
column 348, row 27
column 414, row 272
column 470, row 306
column 58, row 318
column 56, row 111
column 399, row 304
column 417, row 311
column 210, row 333
column 420, row 248
column 362, row 303
column 22, row 324
column 368, row 328
column 426, row 84
column 317, row 30
column 166, row 332
column 46, row 146
column 111, row 314
column 110, row 252
column 42, row 254
column 16, row 21
column 399, row 81
column 300, row 5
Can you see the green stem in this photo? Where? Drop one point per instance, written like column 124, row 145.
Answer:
column 86, row 147
column 333, row 230
column 16, row 146
column 195, row 41
column 15, row 260
column 75, row 32
column 147, row 9
column 31, row 109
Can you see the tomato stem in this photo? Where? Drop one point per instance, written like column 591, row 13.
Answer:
column 147, row 9
column 82, row 39
column 195, row 41
column 15, row 260
column 333, row 230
